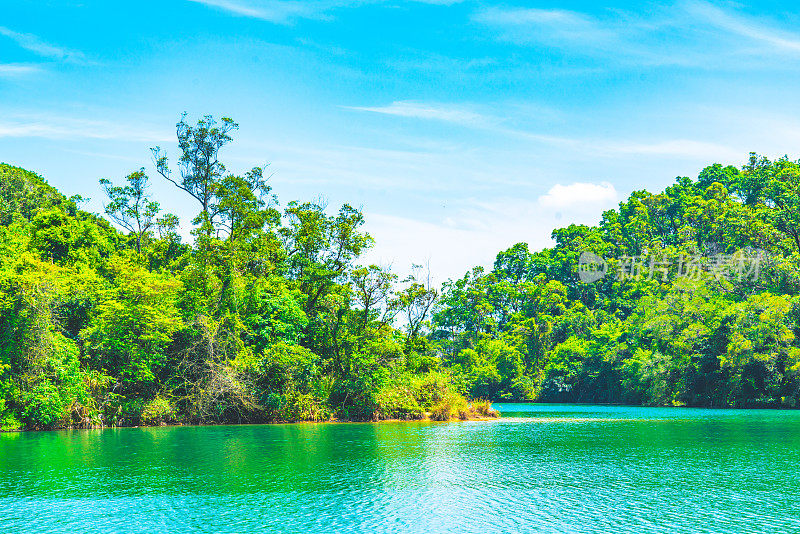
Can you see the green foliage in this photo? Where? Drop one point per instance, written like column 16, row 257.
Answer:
column 130, row 207
column 133, row 323
column 266, row 316
column 68, row 240
column 289, row 384
column 530, row 329
column 23, row 193
column 53, row 392
column 158, row 411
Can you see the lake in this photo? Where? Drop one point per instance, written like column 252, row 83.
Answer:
column 540, row 468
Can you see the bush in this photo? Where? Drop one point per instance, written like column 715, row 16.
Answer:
column 9, row 422
column 303, row 407
column 130, row 412
column 453, row 406
column 44, row 407
column 484, row 408
column 431, row 388
column 289, row 385
column 396, row 401
column 158, row 411
column 53, row 393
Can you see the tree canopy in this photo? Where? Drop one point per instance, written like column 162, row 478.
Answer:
column 267, row 314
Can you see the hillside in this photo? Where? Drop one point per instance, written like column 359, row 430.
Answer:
column 264, row 317
column 690, row 296
column 699, row 304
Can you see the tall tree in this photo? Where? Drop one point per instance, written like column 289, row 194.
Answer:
column 371, row 286
column 244, row 204
column 416, row 301
column 130, row 206
column 199, row 166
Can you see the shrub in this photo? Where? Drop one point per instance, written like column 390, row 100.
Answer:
column 431, row 388
column 484, row 408
column 158, row 411
column 453, row 406
column 54, row 393
column 9, row 422
column 44, row 407
column 396, row 401
column 130, row 411
column 303, row 407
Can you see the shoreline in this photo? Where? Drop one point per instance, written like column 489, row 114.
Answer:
column 265, row 423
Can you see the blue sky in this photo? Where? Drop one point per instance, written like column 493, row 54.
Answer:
column 460, row 128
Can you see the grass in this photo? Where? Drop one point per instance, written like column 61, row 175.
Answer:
column 457, row 407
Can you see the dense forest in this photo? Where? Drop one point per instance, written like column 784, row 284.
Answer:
column 708, row 316
column 267, row 315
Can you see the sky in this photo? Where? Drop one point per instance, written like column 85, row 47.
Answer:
column 459, row 127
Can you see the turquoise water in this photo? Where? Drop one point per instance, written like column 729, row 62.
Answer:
column 541, row 468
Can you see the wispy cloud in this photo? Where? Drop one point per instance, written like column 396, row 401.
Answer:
column 287, row 11
column 493, row 123
column 17, row 69
column 748, row 27
column 692, row 33
column 438, row 112
column 278, row 11
column 552, row 25
column 34, row 44
column 672, row 147
column 68, row 128
column 463, row 115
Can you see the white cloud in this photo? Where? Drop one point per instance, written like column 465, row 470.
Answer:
column 439, row 112
column 554, row 25
column 278, row 11
column 579, row 193
column 746, row 27
column 68, row 128
column 33, row 43
column 16, row 69
column 472, row 236
column 287, row 11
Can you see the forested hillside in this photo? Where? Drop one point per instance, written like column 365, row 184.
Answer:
column 709, row 315
column 267, row 314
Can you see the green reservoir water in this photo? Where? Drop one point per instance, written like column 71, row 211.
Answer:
column 541, row 468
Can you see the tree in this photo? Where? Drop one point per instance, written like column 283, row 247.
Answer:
column 372, row 286
column 244, row 204
column 133, row 325
column 416, row 301
column 199, row 166
column 782, row 194
column 130, row 206
column 320, row 247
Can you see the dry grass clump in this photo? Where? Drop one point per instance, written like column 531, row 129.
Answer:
column 484, row 408
column 454, row 407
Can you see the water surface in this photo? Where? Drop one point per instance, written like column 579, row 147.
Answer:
column 540, row 468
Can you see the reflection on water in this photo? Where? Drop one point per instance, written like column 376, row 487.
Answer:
column 541, row 468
